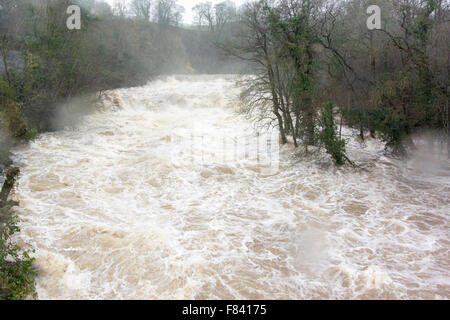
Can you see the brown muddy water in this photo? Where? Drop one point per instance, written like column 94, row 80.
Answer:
column 114, row 213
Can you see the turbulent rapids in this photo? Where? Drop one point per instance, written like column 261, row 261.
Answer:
column 119, row 208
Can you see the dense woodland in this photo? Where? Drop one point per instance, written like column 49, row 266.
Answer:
column 314, row 66
column 317, row 61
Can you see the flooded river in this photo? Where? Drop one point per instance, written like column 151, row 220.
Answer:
column 120, row 207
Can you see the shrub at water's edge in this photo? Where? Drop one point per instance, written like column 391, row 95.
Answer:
column 17, row 274
column 334, row 145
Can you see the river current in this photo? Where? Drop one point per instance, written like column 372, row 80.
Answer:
column 127, row 205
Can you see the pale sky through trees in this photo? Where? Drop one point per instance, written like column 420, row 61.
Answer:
column 188, row 15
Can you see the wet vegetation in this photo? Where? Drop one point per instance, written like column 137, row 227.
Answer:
column 16, row 268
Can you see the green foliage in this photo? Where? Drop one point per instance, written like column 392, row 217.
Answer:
column 392, row 127
column 334, row 145
column 16, row 269
column 31, row 135
column 295, row 40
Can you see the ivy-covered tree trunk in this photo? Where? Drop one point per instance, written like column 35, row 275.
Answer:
column 334, row 145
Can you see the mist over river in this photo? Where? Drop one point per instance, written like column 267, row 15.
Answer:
column 116, row 208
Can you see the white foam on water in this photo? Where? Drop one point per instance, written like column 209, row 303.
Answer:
column 114, row 213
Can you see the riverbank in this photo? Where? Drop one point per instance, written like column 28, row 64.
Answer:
column 5, row 160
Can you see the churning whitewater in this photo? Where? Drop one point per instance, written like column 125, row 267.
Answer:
column 119, row 208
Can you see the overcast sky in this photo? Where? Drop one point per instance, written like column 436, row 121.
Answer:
column 187, row 4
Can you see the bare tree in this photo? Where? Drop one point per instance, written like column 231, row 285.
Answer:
column 168, row 12
column 215, row 17
column 204, row 13
column 224, row 13
column 255, row 45
column 120, row 8
column 142, row 8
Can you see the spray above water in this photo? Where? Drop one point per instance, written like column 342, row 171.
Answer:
column 121, row 207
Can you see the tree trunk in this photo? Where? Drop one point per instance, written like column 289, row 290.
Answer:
column 448, row 130
column 4, row 51
column 280, row 124
column 309, row 123
column 293, row 129
column 11, row 176
column 276, row 104
column 361, row 126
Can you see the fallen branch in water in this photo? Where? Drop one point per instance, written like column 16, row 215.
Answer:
column 349, row 161
column 354, row 165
